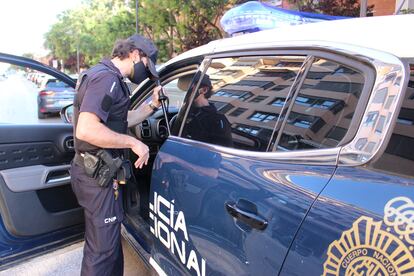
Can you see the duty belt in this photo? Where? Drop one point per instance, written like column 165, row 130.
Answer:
column 103, row 167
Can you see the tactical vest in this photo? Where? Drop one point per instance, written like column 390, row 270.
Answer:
column 117, row 124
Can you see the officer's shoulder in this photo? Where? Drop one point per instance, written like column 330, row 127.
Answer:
column 99, row 73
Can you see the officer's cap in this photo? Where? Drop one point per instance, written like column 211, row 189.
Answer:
column 149, row 49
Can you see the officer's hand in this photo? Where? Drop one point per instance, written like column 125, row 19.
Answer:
column 156, row 96
column 142, row 151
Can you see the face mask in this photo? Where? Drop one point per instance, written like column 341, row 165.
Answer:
column 139, row 73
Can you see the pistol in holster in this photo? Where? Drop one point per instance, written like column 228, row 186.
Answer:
column 105, row 168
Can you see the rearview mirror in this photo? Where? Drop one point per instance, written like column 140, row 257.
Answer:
column 66, row 114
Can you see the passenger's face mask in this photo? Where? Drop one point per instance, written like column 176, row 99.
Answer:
column 139, row 73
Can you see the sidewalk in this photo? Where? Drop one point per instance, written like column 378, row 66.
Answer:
column 67, row 262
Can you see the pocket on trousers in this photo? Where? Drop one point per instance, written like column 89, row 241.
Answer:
column 110, row 211
column 104, row 237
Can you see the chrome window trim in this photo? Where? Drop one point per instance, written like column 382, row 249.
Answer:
column 384, row 64
column 391, row 75
column 307, row 157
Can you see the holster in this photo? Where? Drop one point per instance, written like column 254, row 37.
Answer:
column 101, row 166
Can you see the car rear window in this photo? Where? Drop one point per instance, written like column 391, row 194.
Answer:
column 324, row 107
column 244, row 90
column 56, row 84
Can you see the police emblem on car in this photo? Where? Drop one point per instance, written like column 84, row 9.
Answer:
column 376, row 247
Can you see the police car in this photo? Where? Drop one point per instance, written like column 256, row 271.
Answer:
column 318, row 179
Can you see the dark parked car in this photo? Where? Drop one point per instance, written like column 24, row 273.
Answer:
column 53, row 96
column 318, row 179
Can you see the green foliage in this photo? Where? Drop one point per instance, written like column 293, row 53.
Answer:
column 28, row 55
column 180, row 25
column 174, row 25
column 92, row 29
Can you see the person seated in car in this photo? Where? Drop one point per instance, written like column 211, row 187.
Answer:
column 204, row 123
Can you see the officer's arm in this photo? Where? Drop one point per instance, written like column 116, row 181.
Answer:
column 144, row 111
column 91, row 130
column 138, row 115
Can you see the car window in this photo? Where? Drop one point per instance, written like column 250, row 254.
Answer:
column 175, row 90
column 399, row 155
column 323, row 109
column 53, row 83
column 243, row 105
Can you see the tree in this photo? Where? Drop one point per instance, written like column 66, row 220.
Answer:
column 349, row 8
column 90, row 30
column 174, row 25
column 28, row 55
column 182, row 25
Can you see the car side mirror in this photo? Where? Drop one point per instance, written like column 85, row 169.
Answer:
column 66, row 114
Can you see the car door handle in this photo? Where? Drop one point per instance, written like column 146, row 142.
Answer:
column 60, row 180
column 250, row 218
column 58, row 177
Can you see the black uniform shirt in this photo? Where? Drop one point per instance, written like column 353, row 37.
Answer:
column 206, row 124
column 104, row 94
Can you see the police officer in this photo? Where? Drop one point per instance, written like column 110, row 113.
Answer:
column 101, row 119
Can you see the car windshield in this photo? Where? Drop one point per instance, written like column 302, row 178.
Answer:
column 56, row 84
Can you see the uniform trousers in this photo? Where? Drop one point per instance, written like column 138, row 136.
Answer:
column 102, row 253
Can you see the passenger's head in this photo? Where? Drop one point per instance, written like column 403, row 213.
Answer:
column 205, row 87
column 204, row 90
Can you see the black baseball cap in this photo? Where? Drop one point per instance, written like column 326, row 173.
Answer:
column 205, row 80
column 149, row 49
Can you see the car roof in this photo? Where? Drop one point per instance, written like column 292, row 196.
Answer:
column 382, row 33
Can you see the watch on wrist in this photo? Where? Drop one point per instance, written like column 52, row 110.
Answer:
column 152, row 106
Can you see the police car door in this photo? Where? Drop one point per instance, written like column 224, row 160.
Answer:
column 38, row 209
column 234, row 210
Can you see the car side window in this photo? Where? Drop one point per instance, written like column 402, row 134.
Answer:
column 175, row 89
column 238, row 100
column 323, row 108
column 398, row 157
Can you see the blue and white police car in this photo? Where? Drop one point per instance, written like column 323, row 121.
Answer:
column 316, row 180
